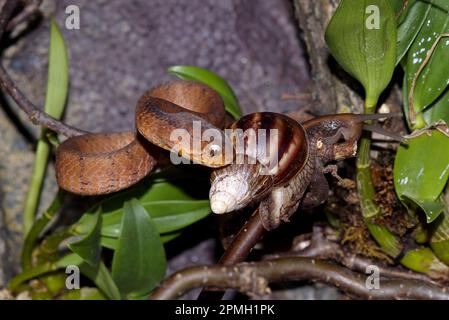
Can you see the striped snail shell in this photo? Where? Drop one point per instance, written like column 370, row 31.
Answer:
column 270, row 149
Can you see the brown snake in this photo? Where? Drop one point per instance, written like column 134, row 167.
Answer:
column 102, row 163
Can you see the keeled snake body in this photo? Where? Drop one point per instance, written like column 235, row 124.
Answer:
column 102, row 163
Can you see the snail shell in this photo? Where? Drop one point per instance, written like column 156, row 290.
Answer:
column 270, row 149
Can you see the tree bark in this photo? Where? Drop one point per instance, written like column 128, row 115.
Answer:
column 330, row 94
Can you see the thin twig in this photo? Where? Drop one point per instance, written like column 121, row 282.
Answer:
column 303, row 96
column 317, row 245
column 239, row 249
column 244, row 241
column 24, row 15
column 5, row 15
column 253, row 278
column 36, row 116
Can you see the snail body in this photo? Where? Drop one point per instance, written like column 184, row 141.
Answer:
column 303, row 152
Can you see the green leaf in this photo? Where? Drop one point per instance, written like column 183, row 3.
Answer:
column 99, row 274
column 438, row 111
column 432, row 208
column 397, row 5
column 402, row 9
column 388, row 241
column 139, row 262
column 183, row 214
column 165, row 190
column 439, row 241
column 34, row 272
column 169, row 205
column 71, row 259
column 84, row 293
column 38, row 227
column 58, row 74
column 102, row 278
column 157, row 191
column 434, row 78
column 441, row 4
column 168, row 215
column 56, row 96
column 89, row 247
column 410, row 27
column 212, row 80
column 421, row 170
column 368, row 54
column 108, row 242
column 112, row 242
column 423, row 259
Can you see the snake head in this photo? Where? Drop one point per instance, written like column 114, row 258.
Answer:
column 200, row 142
column 215, row 155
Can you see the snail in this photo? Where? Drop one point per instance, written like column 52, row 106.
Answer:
column 298, row 177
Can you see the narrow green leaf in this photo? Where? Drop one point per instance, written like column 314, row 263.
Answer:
column 161, row 200
column 438, row 111
column 38, row 227
column 441, row 250
column 439, row 240
column 388, row 241
column 434, row 78
column 155, row 191
column 58, row 74
column 84, row 293
column 71, row 259
column 109, row 242
column 421, row 171
column 423, row 259
column 139, row 261
column 102, row 278
column 99, row 274
column 56, row 96
column 397, row 5
column 167, row 216
column 28, row 274
column 112, row 242
column 34, row 272
column 441, row 4
column 410, row 27
column 89, row 247
column 173, row 222
column 212, row 80
column 403, row 11
column 432, row 208
column 364, row 48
